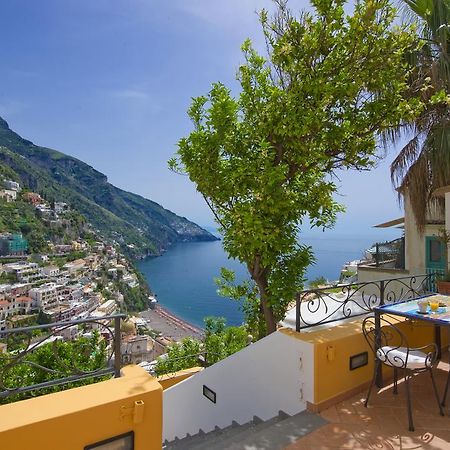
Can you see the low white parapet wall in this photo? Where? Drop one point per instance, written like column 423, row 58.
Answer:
column 273, row 374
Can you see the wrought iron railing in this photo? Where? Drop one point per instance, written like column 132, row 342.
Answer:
column 436, row 275
column 17, row 366
column 325, row 305
column 389, row 253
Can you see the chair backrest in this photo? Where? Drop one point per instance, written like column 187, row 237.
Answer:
column 389, row 340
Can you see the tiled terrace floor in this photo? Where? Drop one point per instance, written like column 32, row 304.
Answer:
column 384, row 424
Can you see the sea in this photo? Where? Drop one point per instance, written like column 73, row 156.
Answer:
column 183, row 277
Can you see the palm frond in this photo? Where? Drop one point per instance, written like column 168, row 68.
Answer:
column 417, row 184
column 437, row 149
column 423, row 164
column 407, row 156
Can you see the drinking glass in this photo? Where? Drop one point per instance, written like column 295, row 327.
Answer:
column 434, row 306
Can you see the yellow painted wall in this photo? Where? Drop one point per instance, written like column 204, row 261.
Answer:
column 72, row 419
column 332, row 350
column 169, row 380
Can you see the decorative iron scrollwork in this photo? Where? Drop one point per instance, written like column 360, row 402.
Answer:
column 325, row 305
column 95, row 356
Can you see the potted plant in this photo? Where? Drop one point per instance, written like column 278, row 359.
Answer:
column 443, row 284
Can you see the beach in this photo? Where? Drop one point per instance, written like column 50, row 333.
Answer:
column 171, row 326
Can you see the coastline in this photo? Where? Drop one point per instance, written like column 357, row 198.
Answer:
column 171, row 326
column 183, row 280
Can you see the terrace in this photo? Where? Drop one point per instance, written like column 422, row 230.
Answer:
column 292, row 389
column 382, row 425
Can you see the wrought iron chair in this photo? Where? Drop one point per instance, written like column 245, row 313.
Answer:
column 391, row 348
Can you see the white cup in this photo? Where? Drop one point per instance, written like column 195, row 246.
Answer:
column 423, row 305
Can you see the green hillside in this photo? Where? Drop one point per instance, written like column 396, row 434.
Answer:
column 140, row 226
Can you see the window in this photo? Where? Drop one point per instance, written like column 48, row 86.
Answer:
column 435, row 250
column 122, row 442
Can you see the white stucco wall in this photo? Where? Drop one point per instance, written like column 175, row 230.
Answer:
column 273, row 374
column 372, row 273
column 415, row 241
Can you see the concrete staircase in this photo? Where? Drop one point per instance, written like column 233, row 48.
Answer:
column 273, row 434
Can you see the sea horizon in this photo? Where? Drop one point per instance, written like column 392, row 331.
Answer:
column 183, row 277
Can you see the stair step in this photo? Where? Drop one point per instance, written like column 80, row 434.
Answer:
column 272, row 434
column 233, row 439
column 279, row 434
column 196, row 440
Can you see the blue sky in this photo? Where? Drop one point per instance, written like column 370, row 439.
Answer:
column 109, row 82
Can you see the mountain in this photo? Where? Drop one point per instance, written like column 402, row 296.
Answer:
column 141, row 226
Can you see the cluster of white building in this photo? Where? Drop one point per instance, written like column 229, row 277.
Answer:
column 10, row 190
column 32, row 272
column 47, row 212
column 62, row 293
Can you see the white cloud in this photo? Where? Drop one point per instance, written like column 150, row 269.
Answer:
column 134, row 99
column 130, row 94
column 232, row 14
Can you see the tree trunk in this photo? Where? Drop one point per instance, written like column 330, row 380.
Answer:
column 259, row 276
column 268, row 312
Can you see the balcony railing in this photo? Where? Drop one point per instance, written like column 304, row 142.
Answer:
column 17, row 365
column 322, row 306
column 388, row 254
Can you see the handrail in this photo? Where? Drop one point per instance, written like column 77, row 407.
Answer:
column 364, row 282
column 62, row 323
column 104, row 360
column 326, row 305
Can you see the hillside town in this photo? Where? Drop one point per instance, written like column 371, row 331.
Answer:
column 75, row 280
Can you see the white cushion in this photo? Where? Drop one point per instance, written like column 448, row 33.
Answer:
column 396, row 357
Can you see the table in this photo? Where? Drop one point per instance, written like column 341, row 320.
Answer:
column 409, row 309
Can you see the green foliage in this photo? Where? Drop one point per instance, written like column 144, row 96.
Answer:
column 423, row 164
column 263, row 160
column 179, row 356
column 62, row 358
column 247, row 294
column 214, row 325
column 43, row 318
column 21, row 217
column 7, row 278
column 74, row 255
column 319, row 281
column 136, row 298
column 222, row 341
column 348, row 273
column 219, row 342
column 8, row 174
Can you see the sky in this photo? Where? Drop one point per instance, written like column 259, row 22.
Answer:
column 109, row 82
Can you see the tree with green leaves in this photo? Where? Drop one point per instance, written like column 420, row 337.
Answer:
column 179, row 356
column 219, row 342
column 60, row 359
column 264, row 160
column 222, row 341
column 423, row 164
